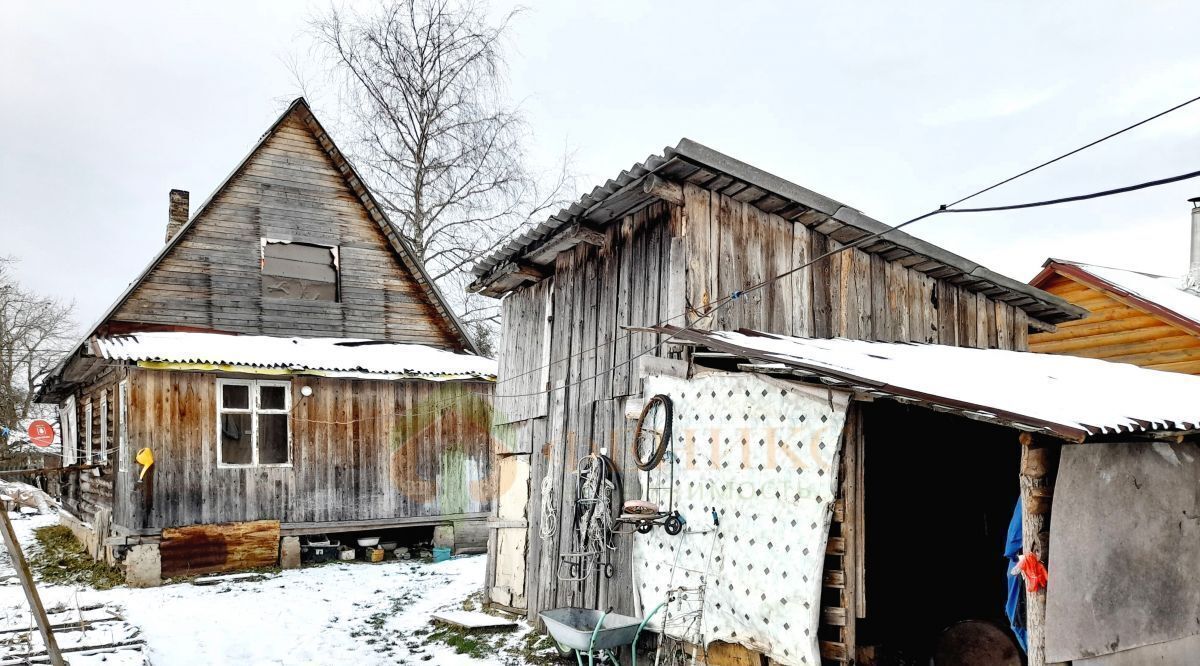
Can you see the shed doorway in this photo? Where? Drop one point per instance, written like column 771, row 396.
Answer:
column 940, row 491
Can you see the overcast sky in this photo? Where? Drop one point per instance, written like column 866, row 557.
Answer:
column 890, row 109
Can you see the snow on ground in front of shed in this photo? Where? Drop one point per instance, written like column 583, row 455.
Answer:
column 352, row 613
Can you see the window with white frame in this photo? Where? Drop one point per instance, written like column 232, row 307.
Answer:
column 105, row 432
column 252, row 422
column 123, row 426
column 87, row 432
column 67, row 424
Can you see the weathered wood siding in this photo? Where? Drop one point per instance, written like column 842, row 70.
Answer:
column 361, row 450
column 1117, row 331
column 289, row 189
column 87, row 491
column 731, row 244
column 524, row 353
column 654, row 265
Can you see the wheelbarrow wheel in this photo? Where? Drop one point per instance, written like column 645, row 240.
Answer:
column 564, row 653
column 644, row 527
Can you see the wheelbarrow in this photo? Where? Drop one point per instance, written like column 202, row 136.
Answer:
column 595, row 633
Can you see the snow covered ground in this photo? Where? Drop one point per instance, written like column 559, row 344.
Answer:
column 340, row 613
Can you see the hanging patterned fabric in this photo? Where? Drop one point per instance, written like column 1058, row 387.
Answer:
column 762, row 454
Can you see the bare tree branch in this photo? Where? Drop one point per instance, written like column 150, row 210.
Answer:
column 421, row 85
column 34, row 332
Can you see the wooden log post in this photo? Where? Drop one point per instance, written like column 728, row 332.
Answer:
column 1039, row 464
column 31, row 593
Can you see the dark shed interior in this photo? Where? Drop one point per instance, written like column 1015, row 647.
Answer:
column 940, row 493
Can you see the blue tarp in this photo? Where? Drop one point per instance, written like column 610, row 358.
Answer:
column 1014, row 607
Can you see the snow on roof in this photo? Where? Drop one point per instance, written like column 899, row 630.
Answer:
column 1070, row 396
column 1165, row 292
column 341, row 356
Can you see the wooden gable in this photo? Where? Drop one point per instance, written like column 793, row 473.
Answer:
column 1116, row 329
column 294, row 186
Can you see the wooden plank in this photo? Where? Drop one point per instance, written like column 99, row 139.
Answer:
column 15, row 554
column 699, row 235
column 802, row 281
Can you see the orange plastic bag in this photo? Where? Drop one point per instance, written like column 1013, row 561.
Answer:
column 1033, row 570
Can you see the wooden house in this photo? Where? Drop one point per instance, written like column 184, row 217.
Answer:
column 1149, row 320
column 289, row 368
column 677, row 239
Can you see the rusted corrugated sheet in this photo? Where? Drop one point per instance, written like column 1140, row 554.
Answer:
column 200, row 549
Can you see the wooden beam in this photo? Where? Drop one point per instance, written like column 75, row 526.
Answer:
column 529, row 270
column 31, row 593
column 1039, row 462
column 666, row 190
column 586, row 233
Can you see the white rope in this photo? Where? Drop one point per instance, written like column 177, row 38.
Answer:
column 549, row 522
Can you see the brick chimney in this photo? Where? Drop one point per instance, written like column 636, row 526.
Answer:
column 179, row 212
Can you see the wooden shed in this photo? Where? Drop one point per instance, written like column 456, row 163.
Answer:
column 915, row 475
column 676, row 239
column 288, row 365
column 1149, row 320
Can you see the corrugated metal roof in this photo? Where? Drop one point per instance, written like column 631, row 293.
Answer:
column 698, row 164
column 384, row 360
column 1068, row 396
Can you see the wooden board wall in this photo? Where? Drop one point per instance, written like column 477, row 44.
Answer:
column 654, row 264
column 361, row 450
column 1117, row 331
column 289, row 189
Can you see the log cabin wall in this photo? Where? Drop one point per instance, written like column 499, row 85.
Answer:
column 289, row 189
column 1117, row 331
column 653, row 265
column 90, row 490
column 361, row 450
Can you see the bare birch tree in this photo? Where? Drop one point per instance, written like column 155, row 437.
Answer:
column 34, row 333
column 421, row 86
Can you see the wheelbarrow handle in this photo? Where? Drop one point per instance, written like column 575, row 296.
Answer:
column 642, row 626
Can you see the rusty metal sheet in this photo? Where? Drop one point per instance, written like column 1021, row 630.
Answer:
column 198, row 549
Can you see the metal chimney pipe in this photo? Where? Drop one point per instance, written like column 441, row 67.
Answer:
column 1192, row 281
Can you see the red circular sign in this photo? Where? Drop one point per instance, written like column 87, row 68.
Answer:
column 41, row 433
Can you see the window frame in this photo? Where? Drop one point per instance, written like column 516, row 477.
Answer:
column 123, row 426
column 68, row 424
column 335, row 251
column 102, row 454
column 253, row 408
column 87, row 432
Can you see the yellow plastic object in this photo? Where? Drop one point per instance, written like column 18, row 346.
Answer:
column 145, row 458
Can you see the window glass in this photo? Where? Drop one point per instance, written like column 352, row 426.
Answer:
column 272, row 439
column 272, row 397
column 237, row 439
column 253, row 431
column 235, row 396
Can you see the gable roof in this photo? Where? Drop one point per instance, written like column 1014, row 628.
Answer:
column 1067, row 396
column 698, row 164
column 300, row 108
column 1158, row 295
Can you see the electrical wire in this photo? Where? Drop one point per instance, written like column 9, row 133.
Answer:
column 941, row 209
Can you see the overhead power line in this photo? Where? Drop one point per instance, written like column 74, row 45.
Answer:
column 945, row 208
